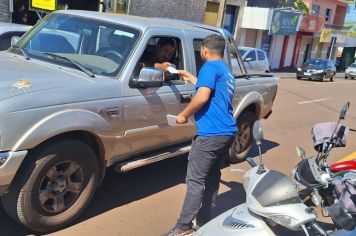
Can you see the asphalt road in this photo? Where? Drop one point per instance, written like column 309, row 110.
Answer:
column 147, row 201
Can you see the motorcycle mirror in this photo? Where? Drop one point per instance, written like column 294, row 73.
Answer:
column 344, row 111
column 258, row 136
column 257, row 133
column 300, row 152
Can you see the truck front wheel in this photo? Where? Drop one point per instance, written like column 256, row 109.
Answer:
column 61, row 180
column 243, row 140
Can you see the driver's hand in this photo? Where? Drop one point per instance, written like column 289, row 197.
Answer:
column 163, row 66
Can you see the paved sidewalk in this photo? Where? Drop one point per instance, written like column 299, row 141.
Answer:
column 289, row 75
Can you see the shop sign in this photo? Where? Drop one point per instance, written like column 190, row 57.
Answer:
column 350, row 19
column 325, row 36
column 283, row 23
column 44, row 5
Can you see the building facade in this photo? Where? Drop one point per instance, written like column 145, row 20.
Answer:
column 259, row 20
column 5, row 14
column 192, row 10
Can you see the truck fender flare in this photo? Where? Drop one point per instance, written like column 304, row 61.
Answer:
column 252, row 98
column 61, row 122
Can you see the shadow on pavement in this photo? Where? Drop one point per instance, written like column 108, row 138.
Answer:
column 266, row 146
column 119, row 189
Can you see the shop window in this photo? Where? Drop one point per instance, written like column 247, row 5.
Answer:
column 315, row 10
column 328, row 14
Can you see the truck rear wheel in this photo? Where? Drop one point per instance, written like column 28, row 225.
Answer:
column 57, row 185
column 243, row 140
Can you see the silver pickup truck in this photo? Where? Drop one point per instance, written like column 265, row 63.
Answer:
column 74, row 101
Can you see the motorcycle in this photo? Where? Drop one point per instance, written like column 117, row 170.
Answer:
column 316, row 181
column 271, row 199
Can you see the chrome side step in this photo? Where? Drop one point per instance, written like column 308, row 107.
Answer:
column 126, row 166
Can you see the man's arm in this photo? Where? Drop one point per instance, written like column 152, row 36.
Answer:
column 187, row 76
column 199, row 100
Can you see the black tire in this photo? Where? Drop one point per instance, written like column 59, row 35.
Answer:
column 346, row 77
column 322, row 79
column 298, row 77
column 332, row 79
column 65, row 175
column 238, row 153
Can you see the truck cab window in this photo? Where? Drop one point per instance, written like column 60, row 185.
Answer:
column 160, row 50
column 235, row 67
column 198, row 61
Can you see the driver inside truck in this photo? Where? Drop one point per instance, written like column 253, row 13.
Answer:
column 163, row 55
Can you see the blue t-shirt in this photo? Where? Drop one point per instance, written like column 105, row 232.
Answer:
column 215, row 117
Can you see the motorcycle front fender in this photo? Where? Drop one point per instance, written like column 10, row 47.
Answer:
column 238, row 221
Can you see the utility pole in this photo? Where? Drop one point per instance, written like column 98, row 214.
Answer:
column 221, row 13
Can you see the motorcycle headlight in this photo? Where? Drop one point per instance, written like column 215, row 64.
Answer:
column 299, row 69
column 286, row 221
column 318, row 71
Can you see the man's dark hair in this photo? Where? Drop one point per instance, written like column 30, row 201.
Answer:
column 215, row 42
column 167, row 41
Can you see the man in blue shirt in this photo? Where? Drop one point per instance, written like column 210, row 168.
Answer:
column 216, row 129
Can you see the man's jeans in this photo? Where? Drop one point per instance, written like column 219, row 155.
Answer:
column 203, row 176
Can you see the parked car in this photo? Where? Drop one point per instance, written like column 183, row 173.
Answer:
column 350, row 72
column 75, row 101
column 8, row 30
column 255, row 60
column 319, row 69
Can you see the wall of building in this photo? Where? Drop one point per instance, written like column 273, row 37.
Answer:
column 269, row 3
column 290, row 50
column 4, row 10
column 276, row 51
column 192, row 10
column 324, row 4
column 257, row 18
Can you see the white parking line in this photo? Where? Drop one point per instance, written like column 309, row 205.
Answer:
column 313, row 101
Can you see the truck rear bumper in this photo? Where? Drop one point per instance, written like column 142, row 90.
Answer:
column 9, row 164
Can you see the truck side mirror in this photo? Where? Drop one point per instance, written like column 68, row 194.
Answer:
column 148, row 78
column 14, row 40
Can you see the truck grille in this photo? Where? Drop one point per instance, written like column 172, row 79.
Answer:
column 233, row 223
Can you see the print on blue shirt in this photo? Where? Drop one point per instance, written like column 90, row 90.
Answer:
column 215, row 118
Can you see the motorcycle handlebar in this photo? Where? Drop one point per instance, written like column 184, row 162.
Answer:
column 251, row 162
column 315, row 226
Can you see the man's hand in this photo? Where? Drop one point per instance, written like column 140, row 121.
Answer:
column 187, row 76
column 181, row 119
column 163, row 66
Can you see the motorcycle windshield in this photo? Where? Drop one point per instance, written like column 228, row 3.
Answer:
column 275, row 189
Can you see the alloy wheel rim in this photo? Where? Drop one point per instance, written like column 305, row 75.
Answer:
column 60, row 187
column 242, row 138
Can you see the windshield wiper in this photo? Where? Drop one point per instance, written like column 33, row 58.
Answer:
column 75, row 63
column 22, row 50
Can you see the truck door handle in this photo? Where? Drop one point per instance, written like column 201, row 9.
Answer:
column 186, row 97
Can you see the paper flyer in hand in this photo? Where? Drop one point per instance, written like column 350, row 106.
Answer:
column 172, row 70
column 172, row 121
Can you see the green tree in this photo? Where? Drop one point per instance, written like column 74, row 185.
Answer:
column 300, row 5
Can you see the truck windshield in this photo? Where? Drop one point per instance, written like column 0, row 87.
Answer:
column 101, row 47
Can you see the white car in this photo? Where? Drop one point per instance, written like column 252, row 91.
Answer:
column 254, row 59
column 8, row 30
column 350, row 71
